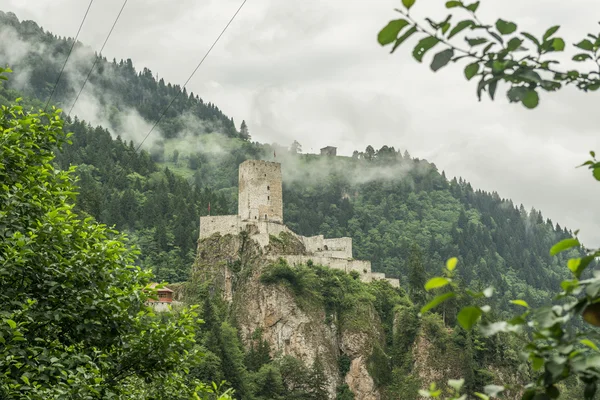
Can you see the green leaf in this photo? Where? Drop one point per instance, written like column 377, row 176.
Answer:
column 532, row 38
column 482, row 396
column 476, row 41
column 558, row 44
column 25, row 379
column 451, row 263
column 442, row 59
column 468, row 316
column 531, row 99
column 461, row 26
column 388, row 34
column 11, row 323
column 537, row 363
column 493, row 390
column 505, row 27
column 516, row 93
column 473, row 7
column 589, row 343
column 408, row 3
column 452, row 4
column 596, row 173
column 514, row 44
column 580, row 265
column 456, row 384
column 563, row 245
column 492, row 88
column 573, row 264
column 436, row 282
column 585, row 45
column 551, row 32
column 403, row 38
column 471, row 70
column 581, row 57
column 437, row 301
column 424, row 46
column 522, row 303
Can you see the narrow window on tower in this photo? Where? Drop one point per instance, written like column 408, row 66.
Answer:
column 268, row 197
column 268, row 187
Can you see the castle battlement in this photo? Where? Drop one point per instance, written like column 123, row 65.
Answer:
column 260, row 214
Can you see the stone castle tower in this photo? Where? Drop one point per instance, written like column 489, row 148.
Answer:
column 260, row 213
column 260, row 191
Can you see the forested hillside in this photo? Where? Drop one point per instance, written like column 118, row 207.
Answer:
column 391, row 204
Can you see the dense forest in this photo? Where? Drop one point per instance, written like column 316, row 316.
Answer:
column 384, row 199
column 403, row 214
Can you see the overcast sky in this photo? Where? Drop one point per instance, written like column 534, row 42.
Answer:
column 312, row 71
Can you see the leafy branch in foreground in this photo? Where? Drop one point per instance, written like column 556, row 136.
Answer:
column 74, row 322
column 497, row 53
column 554, row 349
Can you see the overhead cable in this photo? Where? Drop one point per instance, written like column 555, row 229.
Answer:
column 188, row 80
column 98, row 56
column 68, row 55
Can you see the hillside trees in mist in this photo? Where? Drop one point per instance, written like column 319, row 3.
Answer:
column 37, row 57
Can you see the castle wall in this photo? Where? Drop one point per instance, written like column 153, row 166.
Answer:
column 362, row 267
column 224, row 224
column 340, row 246
column 260, row 213
column 394, row 282
column 260, row 191
column 381, row 276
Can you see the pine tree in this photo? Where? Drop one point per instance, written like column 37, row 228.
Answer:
column 318, row 380
column 244, row 133
column 417, row 275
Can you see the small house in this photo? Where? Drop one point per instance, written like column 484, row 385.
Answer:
column 165, row 297
column 329, row 151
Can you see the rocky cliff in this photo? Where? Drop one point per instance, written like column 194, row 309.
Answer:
column 363, row 338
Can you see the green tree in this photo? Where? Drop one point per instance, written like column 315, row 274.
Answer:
column 72, row 305
column 244, row 132
column 318, row 380
column 416, row 275
column 295, row 147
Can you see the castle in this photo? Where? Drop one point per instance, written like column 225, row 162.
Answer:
column 260, row 214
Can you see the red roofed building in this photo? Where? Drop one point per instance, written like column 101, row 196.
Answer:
column 165, row 297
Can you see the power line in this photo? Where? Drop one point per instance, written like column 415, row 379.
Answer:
column 98, row 56
column 188, row 80
column 68, row 55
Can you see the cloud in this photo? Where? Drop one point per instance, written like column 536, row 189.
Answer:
column 312, row 71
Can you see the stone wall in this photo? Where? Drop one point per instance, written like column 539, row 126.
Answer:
column 381, row 276
column 223, row 224
column 346, row 265
column 338, row 247
column 260, row 213
column 338, row 254
column 260, row 191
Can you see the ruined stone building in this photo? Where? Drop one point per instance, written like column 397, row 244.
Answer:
column 329, row 151
column 260, row 214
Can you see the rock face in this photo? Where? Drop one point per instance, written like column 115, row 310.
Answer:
column 234, row 264
column 360, row 382
column 351, row 341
